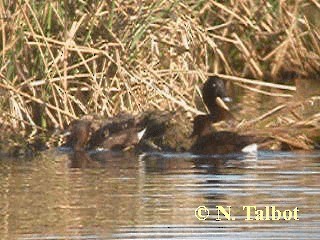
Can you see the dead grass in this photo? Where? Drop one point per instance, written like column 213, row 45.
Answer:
column 61, row 61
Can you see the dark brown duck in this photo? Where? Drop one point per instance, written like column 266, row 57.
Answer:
column 121, row 132
column 222, row 142
column 210, row 142
column 113, row 138
column 117, row 133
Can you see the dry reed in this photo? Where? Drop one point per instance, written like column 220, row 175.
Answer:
column 64, row 59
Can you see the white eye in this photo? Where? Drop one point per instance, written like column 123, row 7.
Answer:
column 214, row 85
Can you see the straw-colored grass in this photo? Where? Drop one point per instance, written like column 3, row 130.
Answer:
column 64, row 59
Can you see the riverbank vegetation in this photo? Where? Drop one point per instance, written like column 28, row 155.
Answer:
column 61, row 60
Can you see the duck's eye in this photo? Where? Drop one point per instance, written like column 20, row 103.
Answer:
column 105, row 133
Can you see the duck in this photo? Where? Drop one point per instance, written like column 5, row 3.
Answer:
column 142, row 132
column 215, row 99
column 117, row 136
column 152, row 130
column 221, row 142
column 208, row 141
column 115, row 133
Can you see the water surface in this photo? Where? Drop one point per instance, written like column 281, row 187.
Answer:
column 60, row 195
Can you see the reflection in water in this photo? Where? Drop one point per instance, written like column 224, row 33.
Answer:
column 105, row 195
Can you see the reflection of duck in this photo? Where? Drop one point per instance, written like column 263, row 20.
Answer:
column 209, row 142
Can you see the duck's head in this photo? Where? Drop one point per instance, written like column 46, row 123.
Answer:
column 214, row 95
column 79, row 132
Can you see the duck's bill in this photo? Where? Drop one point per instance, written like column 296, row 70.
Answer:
column 222, row 104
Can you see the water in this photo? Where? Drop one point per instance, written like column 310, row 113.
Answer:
column 114, row 196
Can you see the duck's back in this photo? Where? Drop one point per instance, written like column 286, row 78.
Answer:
column 221, row 143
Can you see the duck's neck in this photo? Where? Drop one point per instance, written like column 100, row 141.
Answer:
column 202, row 125
column 218, row 114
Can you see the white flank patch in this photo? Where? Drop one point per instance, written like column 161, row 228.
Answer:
column 252, row 148
column 68, row 133
column 141, row 133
